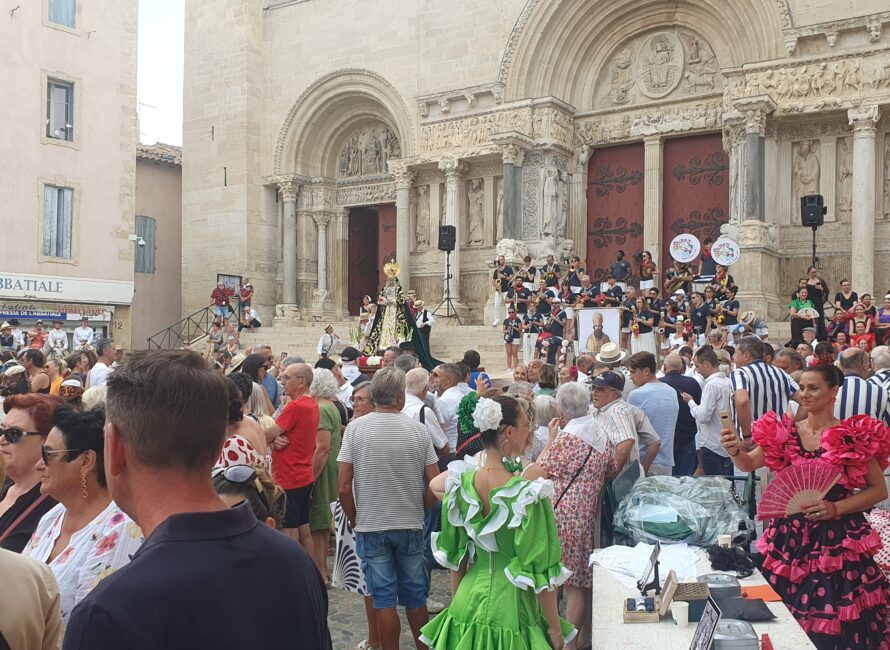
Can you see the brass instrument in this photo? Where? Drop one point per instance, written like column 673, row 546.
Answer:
column 677, row 282
column 660, row 330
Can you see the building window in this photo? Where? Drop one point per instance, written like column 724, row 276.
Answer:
column 57, row 221
column 61, row 12
column 147, row 228
column 60, row 110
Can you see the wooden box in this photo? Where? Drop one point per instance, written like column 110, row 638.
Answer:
column 662, row 603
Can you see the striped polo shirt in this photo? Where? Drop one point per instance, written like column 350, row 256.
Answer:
column 769, row 389
column 858, row 396
column 882, row 379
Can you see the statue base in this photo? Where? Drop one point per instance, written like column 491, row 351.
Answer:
column 286, row 315
column 758, row 271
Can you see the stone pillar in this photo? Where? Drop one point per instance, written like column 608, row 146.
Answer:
column 289, row 191
column 652, row 197
column 577, row 226
column 828, row 175
column 339, row 255
column 513, row 147
column 321, row 221
column 864, row 120
column 755, row 111
column 734, row 145
column 404, row 180
column 454, row 170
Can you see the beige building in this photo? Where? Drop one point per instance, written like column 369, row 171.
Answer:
column 335, row 140
column 68, row 134
column 157, row 303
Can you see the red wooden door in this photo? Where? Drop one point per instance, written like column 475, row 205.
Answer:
column 696, row 189
column 362, row 254
column 614, row 207
column 386, row 238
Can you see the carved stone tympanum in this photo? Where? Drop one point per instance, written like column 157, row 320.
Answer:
column 660, row 65
column 366, row 151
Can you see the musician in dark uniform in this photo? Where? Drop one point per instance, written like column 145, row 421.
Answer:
column 512, row 336
column 613, row 296
column 550, row 272
column 501, row 278
column 519, row 296
column 678, row 276
column 589, row 296
column 576, row 272
column 700, row 315
column 527, row 271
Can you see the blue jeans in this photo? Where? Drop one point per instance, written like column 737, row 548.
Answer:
column 432, row 523
column 714, row 464
column 685, row 461
column 222, row 312
column 395, row 568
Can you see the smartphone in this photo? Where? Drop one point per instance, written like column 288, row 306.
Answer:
column 726, row 421
column 283, row 355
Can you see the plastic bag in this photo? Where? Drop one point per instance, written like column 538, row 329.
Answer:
column 687, row 509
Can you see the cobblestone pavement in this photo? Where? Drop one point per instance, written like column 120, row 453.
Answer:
column 346, row 617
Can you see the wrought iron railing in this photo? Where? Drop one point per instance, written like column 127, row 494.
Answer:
column 190, row 328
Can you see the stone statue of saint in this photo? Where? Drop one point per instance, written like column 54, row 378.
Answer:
column 372, row 155
column 551, row 204
column 500, row 206
column 355, row 158
column 391, row 145
column 559, row 221
column 845, row 178
column 344, row 159
column 806, row 170
column 423, row 217
column 476, row 197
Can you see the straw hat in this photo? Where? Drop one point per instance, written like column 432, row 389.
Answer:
column 748, row 317
column 611, row 353
column 418, row 304
column 237, row 360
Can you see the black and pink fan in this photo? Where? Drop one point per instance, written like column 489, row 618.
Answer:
column 797, row 486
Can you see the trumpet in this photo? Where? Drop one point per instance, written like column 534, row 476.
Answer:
column 660, row 330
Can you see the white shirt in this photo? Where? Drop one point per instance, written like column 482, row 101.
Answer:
column 582, row 378
column 99, row 374
column 448, row 403
column 252, row 315
column 327, row 344
column 715, row 397
column 58, row 339
column 425, row 318
column 83, row 336
column 413, row 404
column 99, row 548
column 344, row 394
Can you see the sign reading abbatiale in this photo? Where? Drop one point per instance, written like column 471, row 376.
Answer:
column 57, row 288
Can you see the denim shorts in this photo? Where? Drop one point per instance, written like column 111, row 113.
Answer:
column 394, row 567
column 222, row 312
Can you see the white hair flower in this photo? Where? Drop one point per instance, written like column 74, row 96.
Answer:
column 487, row 415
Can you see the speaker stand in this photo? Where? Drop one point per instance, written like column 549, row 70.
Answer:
column 815, row 258
column 450, row 311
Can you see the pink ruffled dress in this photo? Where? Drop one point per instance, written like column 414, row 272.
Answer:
column 825, row 571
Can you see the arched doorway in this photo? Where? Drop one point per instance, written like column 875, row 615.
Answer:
column 371, row 243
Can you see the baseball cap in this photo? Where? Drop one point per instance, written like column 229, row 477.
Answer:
column 349, row 354
column 608, row 379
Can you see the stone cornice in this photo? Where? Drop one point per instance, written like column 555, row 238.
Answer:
column 443, row 101
column 872, row 25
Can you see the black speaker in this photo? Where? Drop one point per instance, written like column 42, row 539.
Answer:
column 447, row 237
column 812, row 210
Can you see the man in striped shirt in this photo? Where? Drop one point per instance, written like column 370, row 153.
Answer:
column 857, row 396
column 880, row 363
column 758, row 388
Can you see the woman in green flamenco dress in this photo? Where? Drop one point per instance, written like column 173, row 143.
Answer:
column 500, row 541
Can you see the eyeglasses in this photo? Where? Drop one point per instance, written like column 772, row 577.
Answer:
column 242, row 475
column 46, row 452
column 14, row 435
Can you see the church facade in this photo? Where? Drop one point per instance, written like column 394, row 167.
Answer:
column 322, row 139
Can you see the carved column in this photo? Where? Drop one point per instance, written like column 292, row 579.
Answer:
column 339, row 261
column 577, row 227
column 321, row 221
column 513, row 147
column 755, row 111
column 454, row 170
column 734, row 145
column 404, row 180
column 653, row 148
column 864, row 120
column 289, row 192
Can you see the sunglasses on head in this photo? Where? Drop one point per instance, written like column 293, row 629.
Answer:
column 46, row 452
column 242, row 475
column 14, row 435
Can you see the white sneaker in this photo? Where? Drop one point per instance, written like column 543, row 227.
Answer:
column 434, row 606
column 363, row 645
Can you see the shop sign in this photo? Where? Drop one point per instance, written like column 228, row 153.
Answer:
column 63, row 289
column 52, row 311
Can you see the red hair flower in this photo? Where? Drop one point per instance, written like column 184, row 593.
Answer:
column 773, row 434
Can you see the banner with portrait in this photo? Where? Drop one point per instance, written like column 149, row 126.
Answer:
column 596, row 327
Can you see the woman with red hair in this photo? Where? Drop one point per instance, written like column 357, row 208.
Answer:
column 29, row 419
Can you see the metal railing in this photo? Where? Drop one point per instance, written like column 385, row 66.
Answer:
column 192, row 327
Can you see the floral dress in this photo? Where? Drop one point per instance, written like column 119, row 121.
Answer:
column 513, row 553
column 576, row 510
column 95, row 551
column 825, row 571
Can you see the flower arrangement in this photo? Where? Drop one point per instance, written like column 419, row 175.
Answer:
column 487, row 415
column 369, row 361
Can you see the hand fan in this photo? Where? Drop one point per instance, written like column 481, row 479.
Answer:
column 797, row 486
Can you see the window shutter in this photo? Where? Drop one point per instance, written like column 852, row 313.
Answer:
column 146, row 227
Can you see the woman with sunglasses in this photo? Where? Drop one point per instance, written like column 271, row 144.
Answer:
column 86, row 536
column 238, row 483
column 28, row 421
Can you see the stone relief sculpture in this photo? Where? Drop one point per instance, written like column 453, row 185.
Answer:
column 422, row 232
column 845, row 177
column 660, row 65
column 550, row 206
column 365, row 152
column 499, row 208
column 806, row 168
column 622, row 76
column 824, row 82
column 475, row 216
column 886, row 176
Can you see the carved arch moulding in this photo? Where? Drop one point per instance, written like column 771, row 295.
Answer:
column 328, row 106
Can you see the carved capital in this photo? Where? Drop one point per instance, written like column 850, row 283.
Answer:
column 580, row 158
column 755, row 111
column 513, row 154
column 289, row 191
column 403, row 176
column 513, row 146
column 864, row 119
column 454, row 168
column 733, row 130
column 322, row 219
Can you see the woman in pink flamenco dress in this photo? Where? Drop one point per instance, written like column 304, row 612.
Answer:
column 821, row 561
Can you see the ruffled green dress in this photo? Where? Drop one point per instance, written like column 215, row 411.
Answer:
column 513, row 554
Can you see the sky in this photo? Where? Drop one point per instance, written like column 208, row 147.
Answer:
column 159, row 81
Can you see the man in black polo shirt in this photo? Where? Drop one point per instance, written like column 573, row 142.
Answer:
column 502, row 278
column 207, row 576
column 620, row 268
column 700, row 315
